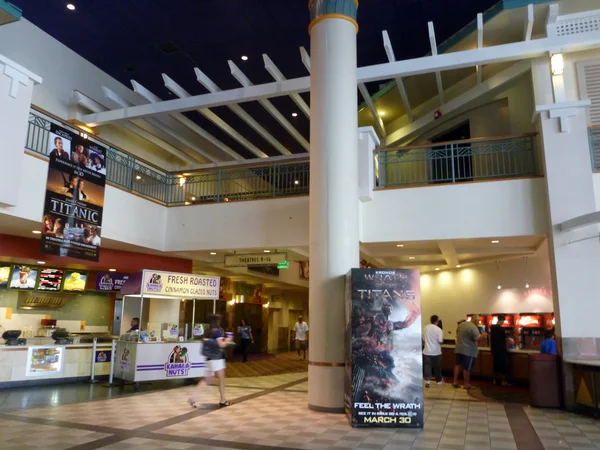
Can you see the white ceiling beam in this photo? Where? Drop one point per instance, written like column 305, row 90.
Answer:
column 140, row 128
column 180, row 92
column 278, row 76
column 529, row 23
column 448, row 252
column 244, row 81
column 389, row 51
column 212, row 87
column 364, row 92
column 448, row 61
column 479, row 67
column 551, row 20
column 434, row 52
column 456, row 103
column 305, row 58
column 152, row 98
column 580, row 221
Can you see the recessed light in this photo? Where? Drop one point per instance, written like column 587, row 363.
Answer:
column 499, row 287
column 400, row 245
column 41, row 262
column 213, row 253
column 70, row 6
column 381, row 113
column 193, row 199
column 138, row 177
column 437, row 268
column 36, row 232
column 296, row 182
column 244, row 58
column 112, row 270
column 526, row 285
column 495, row 242
column 458, row 267
column 411, row 257
column 294, row 114
column 267, row 251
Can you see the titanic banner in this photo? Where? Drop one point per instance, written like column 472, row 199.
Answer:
column 384, row 375
column 72, row 222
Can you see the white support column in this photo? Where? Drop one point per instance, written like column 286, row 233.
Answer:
column 574, row 254
column 334, row 224
column 16, row 89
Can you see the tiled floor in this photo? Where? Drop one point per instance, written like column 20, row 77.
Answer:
column 271, row 412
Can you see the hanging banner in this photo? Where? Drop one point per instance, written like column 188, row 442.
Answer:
column 72, row 221
column 255, row 259
column 110, row 281
column 384, row 375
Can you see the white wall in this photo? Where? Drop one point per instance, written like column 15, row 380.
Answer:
column 453, row 294
column 458, row 211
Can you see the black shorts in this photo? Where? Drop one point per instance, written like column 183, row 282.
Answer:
column 466, row 362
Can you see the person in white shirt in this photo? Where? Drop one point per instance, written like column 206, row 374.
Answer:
column 432, row 353
column 301, row 337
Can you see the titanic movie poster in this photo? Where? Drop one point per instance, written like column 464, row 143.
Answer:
column 72, row 222
column 384, row 372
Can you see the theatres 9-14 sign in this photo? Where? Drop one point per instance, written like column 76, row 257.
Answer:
column 72, row 222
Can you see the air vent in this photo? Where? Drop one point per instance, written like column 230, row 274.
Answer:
column 168, row 48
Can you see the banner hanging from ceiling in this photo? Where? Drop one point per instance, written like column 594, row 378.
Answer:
column 72, row 221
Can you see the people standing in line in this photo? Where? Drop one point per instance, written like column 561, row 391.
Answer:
column 213, row 350
column 498, row 346
column 246, row 338
column 301, row 337
column 467, row 335
column 549, row 344
column 433, row 337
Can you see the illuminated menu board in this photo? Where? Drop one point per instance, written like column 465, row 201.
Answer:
column 75, row 281
column 50, row 279
column 23, row 277
column 4, row 276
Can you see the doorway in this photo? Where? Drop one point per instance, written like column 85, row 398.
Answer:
column 451, row 162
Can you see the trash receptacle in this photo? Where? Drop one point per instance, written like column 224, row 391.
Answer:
column 544, row 381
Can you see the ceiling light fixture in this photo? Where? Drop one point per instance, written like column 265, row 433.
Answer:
column 557, row 64
column 112, row 270
column 193, row 199
column 138, row 177
column 458, row 267
column 213, row 253
column 41, row 262
column 411, row 257
column 526, row 285
column 381, row 113
column 437, row 268
column 294, row 114
column 296, row 182
column 267, row 251
column 400, row 245
column 36, row 232
column 495, row 242
column 70, row 6
column 499, row 287
column 244, row 58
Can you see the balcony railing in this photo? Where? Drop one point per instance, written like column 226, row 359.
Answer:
column 594, row 134
column 455, row 162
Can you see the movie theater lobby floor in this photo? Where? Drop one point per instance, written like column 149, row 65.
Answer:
column 270, row 412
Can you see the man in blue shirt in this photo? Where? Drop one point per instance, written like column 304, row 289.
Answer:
column 549, row 344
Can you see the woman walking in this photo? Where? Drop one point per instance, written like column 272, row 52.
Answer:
column 213, row 350
column 245, row 332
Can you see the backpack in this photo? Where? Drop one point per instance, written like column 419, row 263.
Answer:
column 211, row 349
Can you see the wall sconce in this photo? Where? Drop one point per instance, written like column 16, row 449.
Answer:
column 266, row 305
column 557, row 64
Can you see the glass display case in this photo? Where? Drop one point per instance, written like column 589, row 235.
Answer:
column 45, row 361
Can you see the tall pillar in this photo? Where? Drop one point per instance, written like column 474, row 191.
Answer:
column 574, row 254
column 16, row 89
column 334, row 246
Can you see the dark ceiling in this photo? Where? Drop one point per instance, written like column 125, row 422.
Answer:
column 124, row 38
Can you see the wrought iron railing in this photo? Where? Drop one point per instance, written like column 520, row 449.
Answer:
column 594, row 134
column 222, row 184
column 459, row 161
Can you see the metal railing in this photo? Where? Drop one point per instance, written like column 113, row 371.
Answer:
column 594, row 135
column 458, row 161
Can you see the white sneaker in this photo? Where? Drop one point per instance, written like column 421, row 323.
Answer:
column 439, row 383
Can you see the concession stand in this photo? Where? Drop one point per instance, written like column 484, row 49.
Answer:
column 158, row 349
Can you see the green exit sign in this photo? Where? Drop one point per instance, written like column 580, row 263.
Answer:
column 284, row 265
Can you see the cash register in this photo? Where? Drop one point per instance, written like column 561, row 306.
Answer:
column 11, row 337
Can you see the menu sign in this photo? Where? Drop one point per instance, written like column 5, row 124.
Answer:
column 4, row 276
column 74, row 203
column 182, row 285
column 23, row 277
column 75, row 281
column 50, row 279
column 110, row 281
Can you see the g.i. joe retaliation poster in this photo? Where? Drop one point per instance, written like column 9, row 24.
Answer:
column 72, row 221
column 384, row 375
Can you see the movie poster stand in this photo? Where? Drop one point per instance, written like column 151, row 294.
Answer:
column 384, row 368
column 140, row 359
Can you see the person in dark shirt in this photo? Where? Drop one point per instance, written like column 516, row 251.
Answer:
column 135, row 325
column 59, row 151
column 549, row 344
column 499, row 351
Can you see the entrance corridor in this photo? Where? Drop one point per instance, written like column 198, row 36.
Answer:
column 269, row 411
